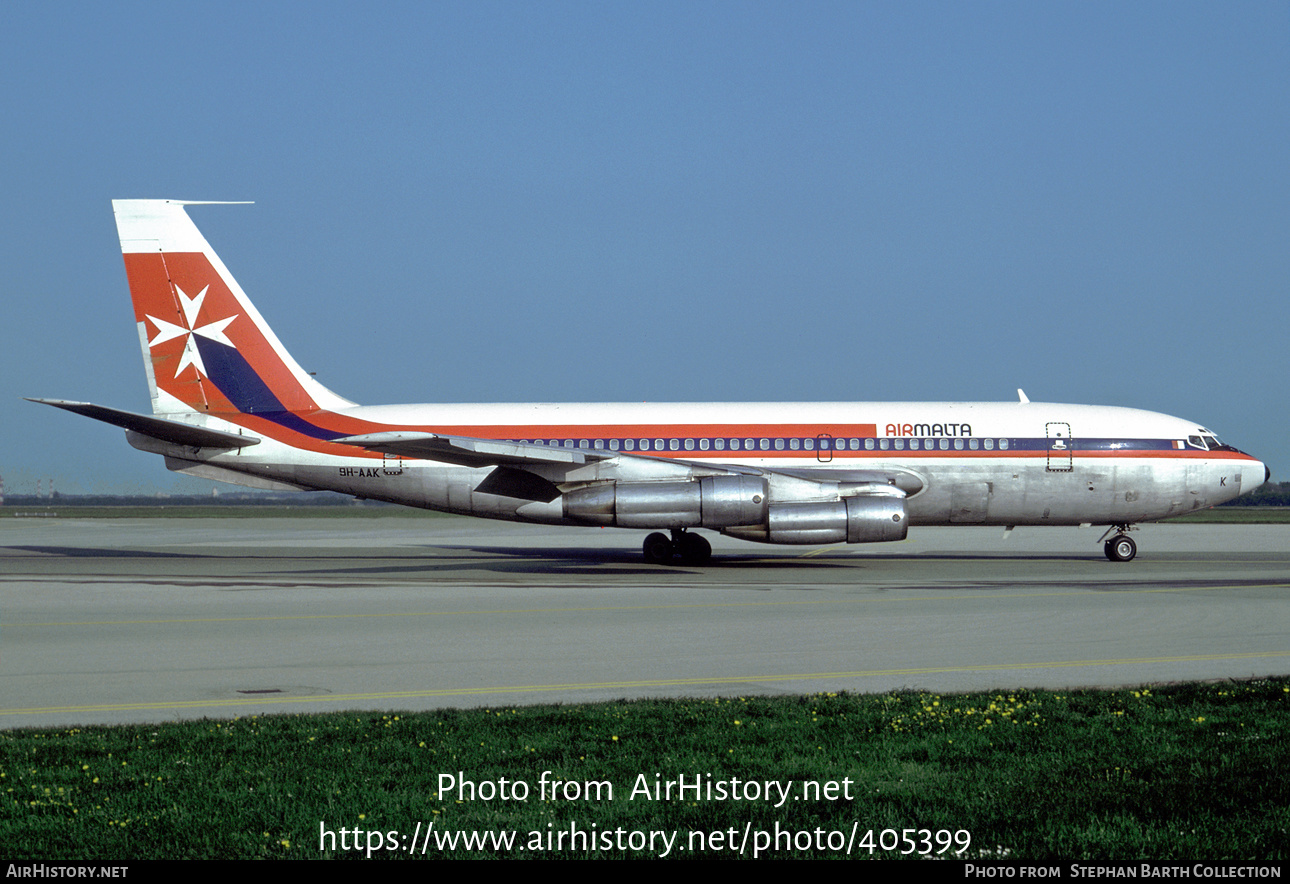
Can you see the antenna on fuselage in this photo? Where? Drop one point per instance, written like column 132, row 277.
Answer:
column 1021, row 395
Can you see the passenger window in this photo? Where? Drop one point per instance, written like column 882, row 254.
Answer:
column 1003, row 444
column 793, row 444
column 674, row 444
column 689, row 444
column 868, row 444
column 945, row 445
column 913, row 444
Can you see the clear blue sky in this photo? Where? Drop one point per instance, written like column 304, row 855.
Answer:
column 664, row 201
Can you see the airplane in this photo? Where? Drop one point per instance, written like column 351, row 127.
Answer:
column 230, row 403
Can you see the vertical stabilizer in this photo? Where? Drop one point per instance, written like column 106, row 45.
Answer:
column 205, row 346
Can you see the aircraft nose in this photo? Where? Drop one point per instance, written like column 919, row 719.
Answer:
column 1252, row 476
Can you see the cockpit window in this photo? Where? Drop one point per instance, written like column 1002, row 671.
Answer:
column 1208, row 441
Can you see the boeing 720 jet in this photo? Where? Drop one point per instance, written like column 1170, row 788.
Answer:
column 230, row 403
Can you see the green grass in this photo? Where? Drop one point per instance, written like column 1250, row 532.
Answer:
column 1166, row 773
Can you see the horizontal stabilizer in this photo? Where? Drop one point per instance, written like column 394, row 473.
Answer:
column 158, row 428
column 467, row 452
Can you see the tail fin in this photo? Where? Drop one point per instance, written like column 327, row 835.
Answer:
column 205, row 346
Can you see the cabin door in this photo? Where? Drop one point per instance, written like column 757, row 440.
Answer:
column 1060, row 446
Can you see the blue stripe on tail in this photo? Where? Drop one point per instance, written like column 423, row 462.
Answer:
column 229, row 371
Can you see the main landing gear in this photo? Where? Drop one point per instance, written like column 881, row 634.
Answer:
column 1121, row 547
column 690, row 549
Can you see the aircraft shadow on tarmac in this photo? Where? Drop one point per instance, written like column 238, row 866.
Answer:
column 82, row 552
column 439, row 559
column 585, row 560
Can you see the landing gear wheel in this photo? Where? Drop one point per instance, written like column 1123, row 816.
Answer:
column 1121, row 548
column 694, row 549
column 658, row 549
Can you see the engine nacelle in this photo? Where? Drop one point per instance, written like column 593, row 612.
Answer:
column 875, row 518
column 710, row 502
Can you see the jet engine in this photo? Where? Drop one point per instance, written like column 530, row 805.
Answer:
column 709, row 502
column 871, row 518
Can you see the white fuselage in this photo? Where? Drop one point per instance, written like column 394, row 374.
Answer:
column 969, row 463
column 230, row 403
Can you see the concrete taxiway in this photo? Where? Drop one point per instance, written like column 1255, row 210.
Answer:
column 106, row 621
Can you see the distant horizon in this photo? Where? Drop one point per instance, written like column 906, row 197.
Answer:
column 328, row 497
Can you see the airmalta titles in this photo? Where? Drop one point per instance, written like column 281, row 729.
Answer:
column 928, row 430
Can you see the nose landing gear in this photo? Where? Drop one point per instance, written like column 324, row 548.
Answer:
column 690, row 549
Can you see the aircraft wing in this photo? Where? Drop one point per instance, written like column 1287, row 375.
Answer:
column 905, row 480
column 472, row 452
column 468, row 452
column 156, row 427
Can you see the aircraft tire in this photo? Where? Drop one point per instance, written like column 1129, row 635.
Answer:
column 1121, row 548
column 695, row 549
column 658, row 549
